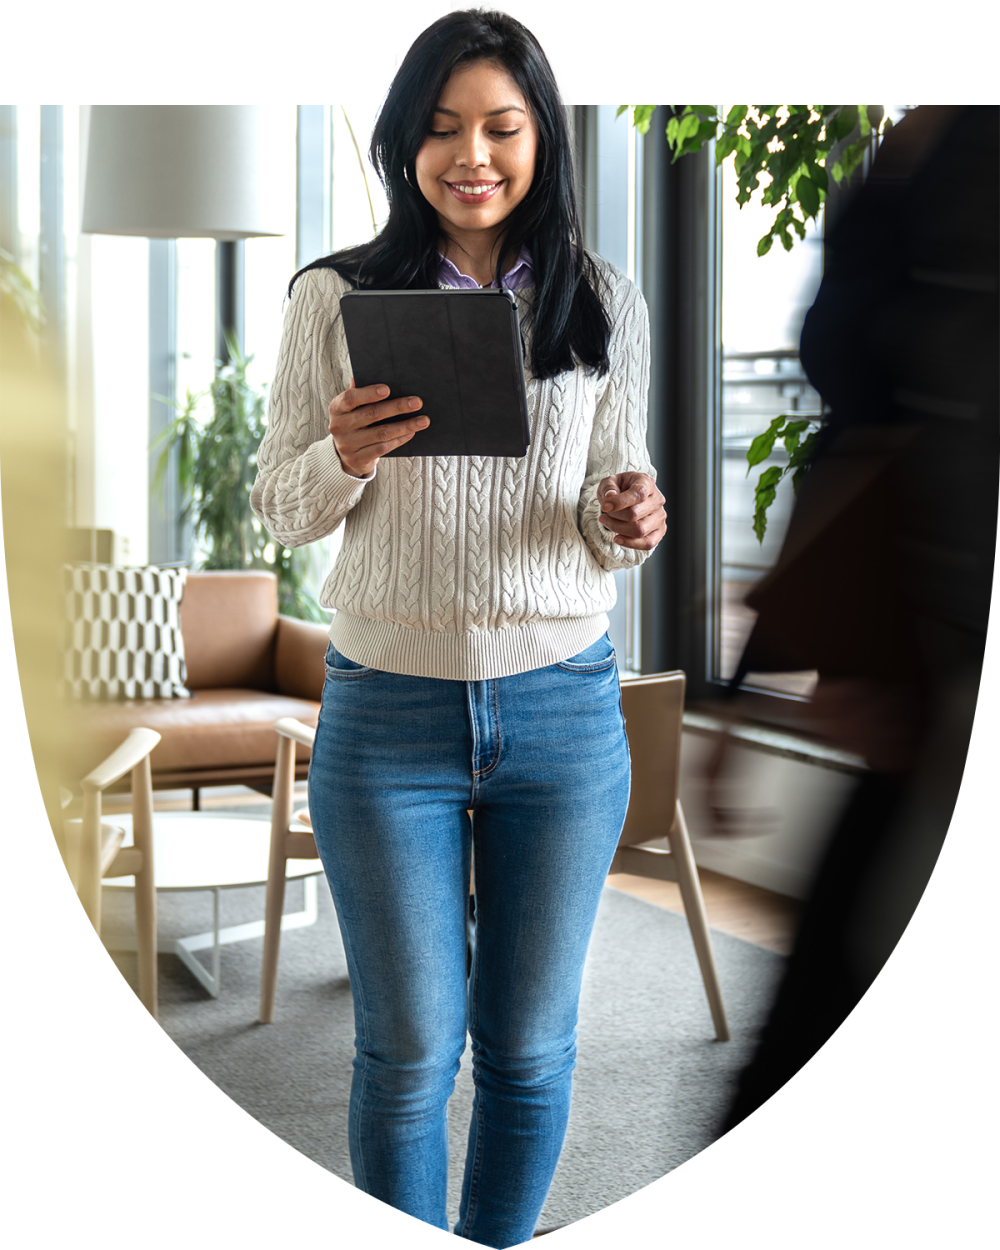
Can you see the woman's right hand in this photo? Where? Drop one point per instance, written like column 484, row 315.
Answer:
column 353, row 411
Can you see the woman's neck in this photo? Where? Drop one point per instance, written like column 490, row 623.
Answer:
column 474, row 254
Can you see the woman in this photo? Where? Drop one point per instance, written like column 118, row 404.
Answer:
column 470, row 668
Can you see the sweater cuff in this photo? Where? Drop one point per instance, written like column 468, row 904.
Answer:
column 335, row 481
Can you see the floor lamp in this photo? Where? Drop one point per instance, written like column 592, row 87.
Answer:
column 184, row 171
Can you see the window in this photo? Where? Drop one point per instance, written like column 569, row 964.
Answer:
column 609, row 160
column 726, row 326
column 764, row 301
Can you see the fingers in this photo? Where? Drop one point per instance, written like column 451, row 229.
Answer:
column 637, row 536
column 366, row 424
column 630, row 490
column 632, row 508
column 365, row 405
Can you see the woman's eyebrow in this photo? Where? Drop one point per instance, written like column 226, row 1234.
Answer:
column 508, row 108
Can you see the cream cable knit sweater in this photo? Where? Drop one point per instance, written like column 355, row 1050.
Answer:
column 458, row 567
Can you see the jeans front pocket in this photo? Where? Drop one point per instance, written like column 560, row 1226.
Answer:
column 339, row 667
column 600, row 655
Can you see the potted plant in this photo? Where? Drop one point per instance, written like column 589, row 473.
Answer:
column 216, row 467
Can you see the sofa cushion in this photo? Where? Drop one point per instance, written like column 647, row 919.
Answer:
column 123, row 636
column 229, row 621
column 214, row 729
column 300, row 658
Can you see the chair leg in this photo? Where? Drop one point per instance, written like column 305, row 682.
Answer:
column 145, row 886
column 694, row 907
column 88, row 867
column 274, row 904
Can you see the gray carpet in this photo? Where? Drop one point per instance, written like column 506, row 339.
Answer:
column 651, row 1081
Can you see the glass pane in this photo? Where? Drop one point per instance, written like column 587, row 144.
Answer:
column 270, row 264
column 614, row 233
column 354, row 179
column 28, row 188
column 764, row 302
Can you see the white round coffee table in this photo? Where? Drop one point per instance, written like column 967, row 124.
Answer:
column 214, row 851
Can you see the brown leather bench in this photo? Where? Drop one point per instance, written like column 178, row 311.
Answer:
column 246, row 668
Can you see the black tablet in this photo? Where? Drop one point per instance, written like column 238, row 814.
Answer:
column 459, row 350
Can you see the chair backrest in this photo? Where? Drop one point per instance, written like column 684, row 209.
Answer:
column 654, row 708
column 229, row 621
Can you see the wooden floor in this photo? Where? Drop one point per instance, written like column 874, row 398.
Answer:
column 746, row 911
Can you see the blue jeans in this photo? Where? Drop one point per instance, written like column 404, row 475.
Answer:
column 541, row 761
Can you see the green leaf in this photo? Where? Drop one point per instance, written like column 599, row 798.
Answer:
column 764, row 244
column 818, row 175
column 846, row 120
column 687, row 126
column 736, row 115
column 707, row 130
column 791, row 434
column 838, row 172
column 866, row 126
column 764, row 495
column 799, row 459
column 726, row 145
column 854, row 155
column 642, row 115
column 763, row 444
column 622, row 108
column 808, row 194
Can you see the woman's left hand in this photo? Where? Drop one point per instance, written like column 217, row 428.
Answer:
column 632, row 507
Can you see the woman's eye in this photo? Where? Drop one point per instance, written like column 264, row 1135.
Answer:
column 447, row 134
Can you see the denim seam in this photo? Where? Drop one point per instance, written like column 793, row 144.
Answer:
column 479, row 773
column 495, row 725
column 588, row 668
column 359, row 1001
column 355, row 980
column 349, row 674
column 474, row 1170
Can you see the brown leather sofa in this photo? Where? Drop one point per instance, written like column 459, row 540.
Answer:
column 246, row 668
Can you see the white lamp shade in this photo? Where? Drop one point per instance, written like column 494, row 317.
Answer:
column 180, row 171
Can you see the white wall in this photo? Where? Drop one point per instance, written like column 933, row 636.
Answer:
column 112, row 455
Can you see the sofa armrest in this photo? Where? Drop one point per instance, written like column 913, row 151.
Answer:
column 299, row 654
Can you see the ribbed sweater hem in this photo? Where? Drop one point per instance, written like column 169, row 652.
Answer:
column 474, row 656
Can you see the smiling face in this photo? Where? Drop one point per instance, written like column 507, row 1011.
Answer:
column 477, row 162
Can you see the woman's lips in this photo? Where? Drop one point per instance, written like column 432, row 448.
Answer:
column 489, row 189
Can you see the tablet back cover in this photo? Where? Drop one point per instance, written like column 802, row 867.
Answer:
column 459, row 350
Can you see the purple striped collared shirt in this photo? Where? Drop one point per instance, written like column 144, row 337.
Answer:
column 518, row 276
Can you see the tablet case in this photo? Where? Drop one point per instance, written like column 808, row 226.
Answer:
column 459, row 350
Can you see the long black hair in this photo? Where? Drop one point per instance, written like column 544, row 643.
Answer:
column 568, row 320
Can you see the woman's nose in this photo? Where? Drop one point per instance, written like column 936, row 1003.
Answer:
column 472, row 151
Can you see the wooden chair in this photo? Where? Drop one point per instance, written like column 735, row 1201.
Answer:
column 654, row 707
column 92, row 849
column 286, row 843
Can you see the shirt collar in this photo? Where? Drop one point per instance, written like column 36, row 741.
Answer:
column 518, row 276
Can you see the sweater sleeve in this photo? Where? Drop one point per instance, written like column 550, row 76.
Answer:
column 302, row 492
column 618, row 437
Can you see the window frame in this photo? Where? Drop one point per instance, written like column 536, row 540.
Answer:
column 681, row 281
